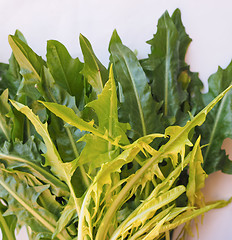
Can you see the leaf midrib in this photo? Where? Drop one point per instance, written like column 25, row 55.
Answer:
column 62, row 68
column 215, row 126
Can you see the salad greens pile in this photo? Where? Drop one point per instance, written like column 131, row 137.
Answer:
column 95, row 153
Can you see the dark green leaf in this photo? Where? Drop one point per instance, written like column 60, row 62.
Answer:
column 65, row 69
column 138, row 105
column 218, row 124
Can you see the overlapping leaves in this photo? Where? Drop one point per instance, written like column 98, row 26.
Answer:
column 98, row 156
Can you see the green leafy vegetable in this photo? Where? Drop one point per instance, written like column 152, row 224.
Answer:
column 91, row 153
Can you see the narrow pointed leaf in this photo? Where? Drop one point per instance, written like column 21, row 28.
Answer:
column 93, row 70
column 65, row 69
column 69, row 116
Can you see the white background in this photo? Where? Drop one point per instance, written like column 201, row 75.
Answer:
column 208, row 22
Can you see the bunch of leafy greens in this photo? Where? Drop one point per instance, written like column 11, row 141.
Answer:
column 88, row 152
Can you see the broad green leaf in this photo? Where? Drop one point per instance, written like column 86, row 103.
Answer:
column 183, row 37
column 10, row 74
column 11, row 121
column 13, row 78
column 93, row 70
column 164, row 64
column 55, row 93
column 66, row 139
column 30, row 66
column 218, row 124
column 194, row 89
column 10, row 77
column 197, row 177
column 27, row 158
column 138, row 105
column 18, row 125
column 65, row 70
